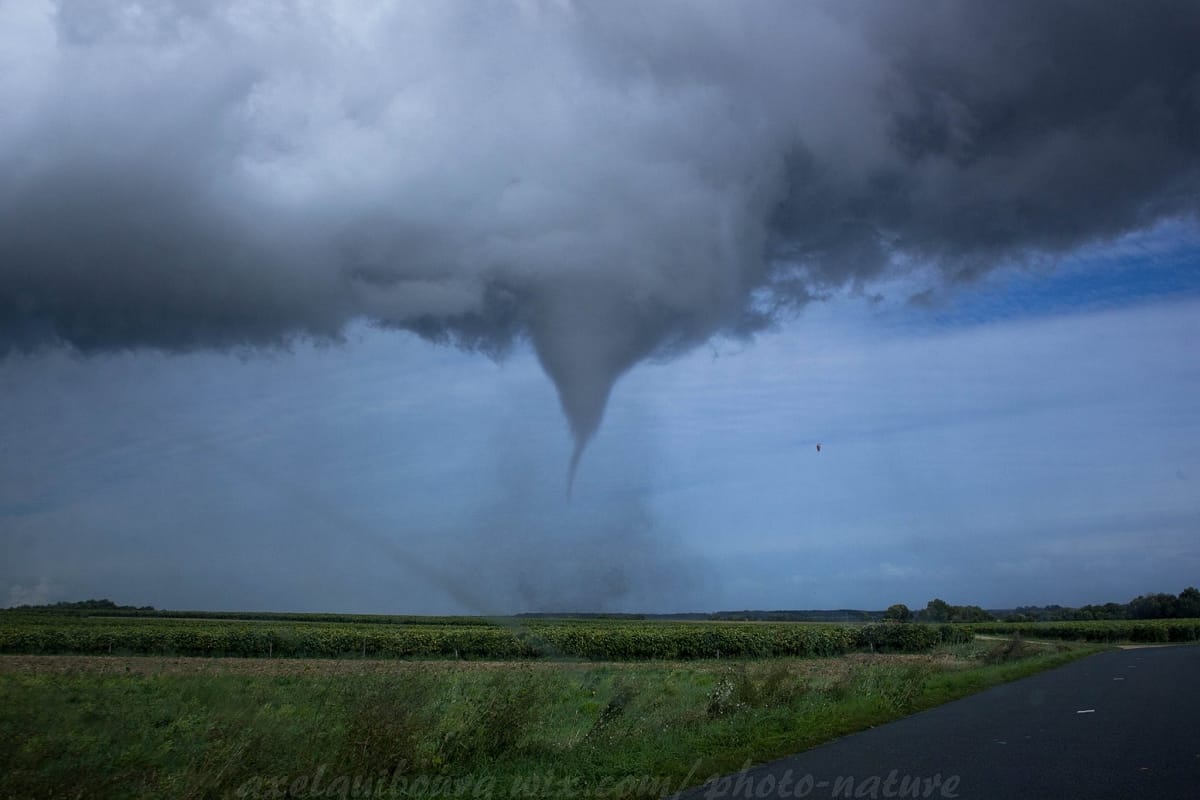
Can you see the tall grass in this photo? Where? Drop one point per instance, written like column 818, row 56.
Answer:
column 633, row 730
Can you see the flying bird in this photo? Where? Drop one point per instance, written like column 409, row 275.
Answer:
column 818, row 447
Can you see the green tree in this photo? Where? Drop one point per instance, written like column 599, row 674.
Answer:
column 1189, row 602
column 970, row 614
column 937, row 610
column 898, row 613
column 1154, row 606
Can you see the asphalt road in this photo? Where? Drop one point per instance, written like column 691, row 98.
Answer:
column 1122, row 724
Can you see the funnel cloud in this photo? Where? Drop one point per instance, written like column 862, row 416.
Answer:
column 609, row 182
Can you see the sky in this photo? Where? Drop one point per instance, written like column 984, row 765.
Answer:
column 502, row 307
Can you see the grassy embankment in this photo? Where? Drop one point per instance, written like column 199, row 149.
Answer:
column 165, row 727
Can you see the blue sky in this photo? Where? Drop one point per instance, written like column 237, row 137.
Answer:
column 253, row 254
column 1035, row 440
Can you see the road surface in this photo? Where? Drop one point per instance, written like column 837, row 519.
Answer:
column 1123, row 724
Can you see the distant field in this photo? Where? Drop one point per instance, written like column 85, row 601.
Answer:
column 332, row 636
column 1131, row 630
column 153, row 726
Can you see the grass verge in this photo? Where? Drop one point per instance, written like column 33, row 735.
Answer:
column 443, row 730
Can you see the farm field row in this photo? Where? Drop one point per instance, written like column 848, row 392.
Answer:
column 1115, row 630
column 591, row 640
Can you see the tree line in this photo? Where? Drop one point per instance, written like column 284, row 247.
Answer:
column 938, row 610
column 1185, row 605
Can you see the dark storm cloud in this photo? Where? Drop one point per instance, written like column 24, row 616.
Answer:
column 613, row 181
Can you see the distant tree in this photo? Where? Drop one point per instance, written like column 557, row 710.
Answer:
column 84, row 605
column 1189, row 602
column 937, row 610
column 969, row 614
column 1117, row 610
column 898, row 613
column 1154, row 606
column 1106, row 611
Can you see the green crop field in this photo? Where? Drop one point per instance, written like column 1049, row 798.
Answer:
column 506, row 638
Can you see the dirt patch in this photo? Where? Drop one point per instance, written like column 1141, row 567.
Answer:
column 1041, row 642
column 1144, row 646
